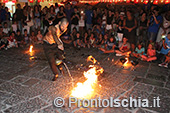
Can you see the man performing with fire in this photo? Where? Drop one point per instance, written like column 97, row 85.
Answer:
column 53, row 46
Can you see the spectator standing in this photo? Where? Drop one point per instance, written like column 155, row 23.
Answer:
column 130, row 25
column 19, row 16
column 75, row 16
column 88, row 16
column 154, row 24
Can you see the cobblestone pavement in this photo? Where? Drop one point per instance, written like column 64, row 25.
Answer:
column 26, row 86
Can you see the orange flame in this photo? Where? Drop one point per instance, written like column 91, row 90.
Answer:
column 31, row 47
column 91, row 59
column 127, row 60
column 86, row 89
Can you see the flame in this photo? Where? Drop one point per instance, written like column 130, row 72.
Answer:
column 86, row 89
column 31, row 47
column 91, row 59
column 127, row 60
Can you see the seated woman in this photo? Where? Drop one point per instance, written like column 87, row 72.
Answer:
column 110, row 46
column 39, row 37
column 124, row 48
column 139, row 51
column 92, row 40
column 66, row 38
column 86, row 40
column 12, row 41
column 33, row 38
column 99, row 41
column 78, row 42
column 151, row 54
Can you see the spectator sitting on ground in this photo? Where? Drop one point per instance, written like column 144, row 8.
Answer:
column 167, row 61
column 3, row 43
column 19, row 38
column 124, row 48
column 110, row 45
column 166, row 45
column 139, row 51
column 26, row 38
column 99, row 41
column 6, row 30
column 39, row 37
column 12, row 41
column 78, row 42
column 86, row 40
column 66, row 38
column 151, row 53
column 92, row 40
column 73, row 34
column 33, row 38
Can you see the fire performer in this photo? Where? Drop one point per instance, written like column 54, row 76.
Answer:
column 53, row 46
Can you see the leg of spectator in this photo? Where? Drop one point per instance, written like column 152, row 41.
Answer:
column 151, row 59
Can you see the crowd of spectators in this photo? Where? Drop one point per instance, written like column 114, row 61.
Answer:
column 141, row 31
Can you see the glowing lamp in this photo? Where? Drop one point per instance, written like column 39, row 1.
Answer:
column 14, row 1
column 136, row 1
column 155, row 2
column 167, row 1
column 31, row 1
column 127, row 1
column 5, row 1
column 146, row 2
column 39, row 0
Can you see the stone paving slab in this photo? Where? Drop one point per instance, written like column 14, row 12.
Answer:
column 26, row 86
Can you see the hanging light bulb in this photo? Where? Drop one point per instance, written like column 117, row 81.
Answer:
column 155, row 2
column 167, row 1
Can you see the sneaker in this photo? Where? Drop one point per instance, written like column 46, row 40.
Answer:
column 166, row 65
column 118, row 54
column 162, row 64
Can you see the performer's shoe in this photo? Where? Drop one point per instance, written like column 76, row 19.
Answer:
column 55, row 77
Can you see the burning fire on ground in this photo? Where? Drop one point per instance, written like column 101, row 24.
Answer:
column 86, row 89
column 31, row 47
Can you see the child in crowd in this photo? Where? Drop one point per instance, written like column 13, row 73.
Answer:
column 3, row 43
column 73, row 34
column 167, row 61
column 151, row 53
column 99, row 41
column 110, row 46
column 104, row 42
column 86, row 40
column 78, row 42
column 33, row 38
column 66, row 38
column 124, row 48
column 92, row 40
column 39, row 37
column 139, row 51
column 6, row 30
column 19, row 38
column 12, row 41
column 26, row 38
column 14, row 27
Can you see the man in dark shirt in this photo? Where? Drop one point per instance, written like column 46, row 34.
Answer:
column 2, row 14
column 53, row 46
column 19, row 14
column 75, row 16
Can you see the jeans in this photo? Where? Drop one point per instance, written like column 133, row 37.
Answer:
column 152, row 36
column 52, row 53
